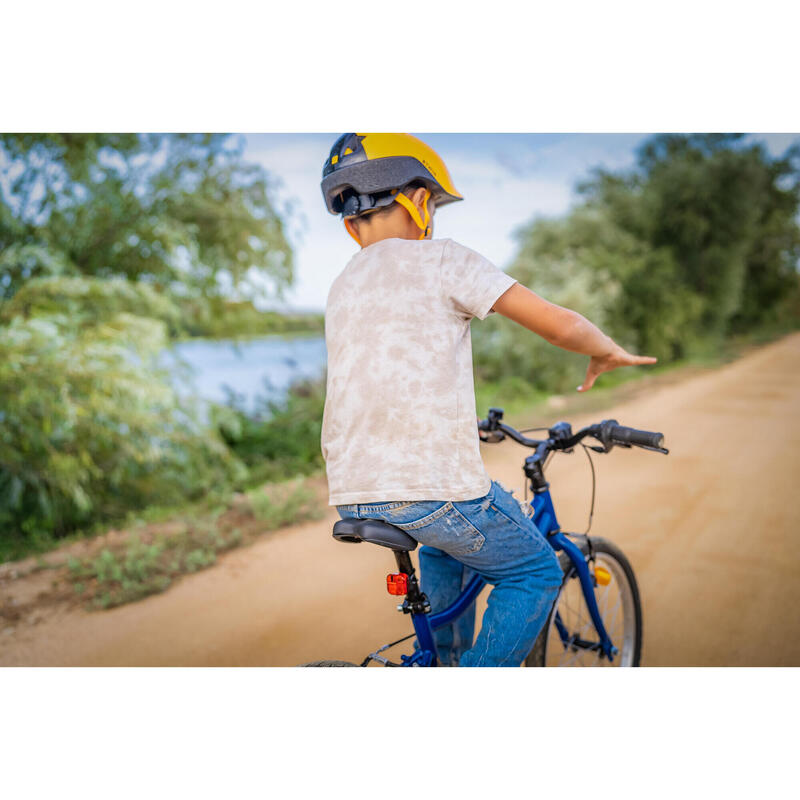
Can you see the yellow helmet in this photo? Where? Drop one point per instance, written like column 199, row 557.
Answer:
column 366, row 171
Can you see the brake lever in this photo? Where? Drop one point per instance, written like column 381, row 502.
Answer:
column 629, row 446
column 655, row 449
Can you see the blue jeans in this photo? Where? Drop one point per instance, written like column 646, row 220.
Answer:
column 490, row 536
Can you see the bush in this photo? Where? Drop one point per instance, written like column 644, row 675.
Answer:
column 283, row 504
column 78, row 302
column 90, row 427
column 218, row 318
column 279, row 439
column 137, row 568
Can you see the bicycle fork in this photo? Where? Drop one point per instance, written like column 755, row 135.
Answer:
column 560, row 542
column 544, row 516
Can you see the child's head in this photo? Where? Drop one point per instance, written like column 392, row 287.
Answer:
column 385, row 185
column 394, row 221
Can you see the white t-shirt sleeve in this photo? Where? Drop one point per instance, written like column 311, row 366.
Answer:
column 471, row 284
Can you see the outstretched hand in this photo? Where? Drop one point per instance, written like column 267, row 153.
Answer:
column 618, row 357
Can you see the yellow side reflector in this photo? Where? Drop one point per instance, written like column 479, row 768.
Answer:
column 334, row 159
column 348, row 151
column 602, row 576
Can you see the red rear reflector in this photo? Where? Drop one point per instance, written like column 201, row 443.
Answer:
column 397, row 583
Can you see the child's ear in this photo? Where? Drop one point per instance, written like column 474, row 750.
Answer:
column 418, row 196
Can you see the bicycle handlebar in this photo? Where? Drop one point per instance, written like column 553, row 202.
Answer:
column 621, row 435
column 608, row 432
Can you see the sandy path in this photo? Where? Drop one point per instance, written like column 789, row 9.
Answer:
column 712, row 531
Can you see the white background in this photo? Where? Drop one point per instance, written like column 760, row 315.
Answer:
column 437, row 66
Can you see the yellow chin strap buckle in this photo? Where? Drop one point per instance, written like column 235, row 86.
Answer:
column 422, row 224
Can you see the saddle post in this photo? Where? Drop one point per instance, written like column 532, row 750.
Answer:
column 404, row 563
column 416, row 602
column 405, row 582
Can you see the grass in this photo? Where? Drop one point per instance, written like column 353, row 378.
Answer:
column 140, row 568
column 146, row 563
column 280, row 504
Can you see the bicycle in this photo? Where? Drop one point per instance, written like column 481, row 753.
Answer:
column 582, row 625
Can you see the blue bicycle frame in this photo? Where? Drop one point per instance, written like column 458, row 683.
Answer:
column 544, row 516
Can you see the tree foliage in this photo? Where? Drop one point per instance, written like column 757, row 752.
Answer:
column 699, row 241
column 182, row 212
column 218, row 318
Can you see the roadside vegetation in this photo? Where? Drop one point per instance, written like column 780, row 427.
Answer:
column 146, row 556
column 111, row 247
column 220, row 318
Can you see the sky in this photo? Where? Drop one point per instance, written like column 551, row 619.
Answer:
column 506, row 180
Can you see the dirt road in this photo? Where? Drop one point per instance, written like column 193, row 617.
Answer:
column 712, row 531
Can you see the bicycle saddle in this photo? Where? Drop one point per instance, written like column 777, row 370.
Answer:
column 374, row 531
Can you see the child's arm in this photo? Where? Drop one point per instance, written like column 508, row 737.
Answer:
column 568, row 330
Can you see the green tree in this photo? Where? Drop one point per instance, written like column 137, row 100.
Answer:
column 182, row 212
column 723, row 216
column 699, row 240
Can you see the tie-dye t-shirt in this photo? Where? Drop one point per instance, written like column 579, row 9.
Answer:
column 399, row 420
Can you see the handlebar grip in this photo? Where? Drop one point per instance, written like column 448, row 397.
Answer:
column 619, row 434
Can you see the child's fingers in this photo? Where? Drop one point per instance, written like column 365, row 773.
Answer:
column 628, row 360
column 588, row 381
column 643, row 360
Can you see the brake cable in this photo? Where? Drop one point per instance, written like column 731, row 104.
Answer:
column 586, row 449
column 594, row 487
column 385, row 661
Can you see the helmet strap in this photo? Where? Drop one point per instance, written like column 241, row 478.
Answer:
column 423, row 223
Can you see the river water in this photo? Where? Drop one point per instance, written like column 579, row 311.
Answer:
column 253, row 368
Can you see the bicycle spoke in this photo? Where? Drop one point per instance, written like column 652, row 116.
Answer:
column 605, row 600
column 577, row 621
column 575, row 656
column 615, row 610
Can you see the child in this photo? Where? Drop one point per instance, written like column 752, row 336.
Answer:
column 399, row 432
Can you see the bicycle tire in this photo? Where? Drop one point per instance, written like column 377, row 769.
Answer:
column 609, row 555
column 329, row 663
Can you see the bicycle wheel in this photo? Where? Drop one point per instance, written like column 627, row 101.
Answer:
column 329, row 664
column 620, row 609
